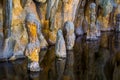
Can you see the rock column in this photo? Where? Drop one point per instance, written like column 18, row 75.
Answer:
column 69, row 35
column 60, row 48
column 91, row 34
column 7, row 18
column 33, row 47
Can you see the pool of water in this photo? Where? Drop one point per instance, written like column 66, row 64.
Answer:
column 89, row 60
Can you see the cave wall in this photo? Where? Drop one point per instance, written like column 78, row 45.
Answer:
column 52, row 14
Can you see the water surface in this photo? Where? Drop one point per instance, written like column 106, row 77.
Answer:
column 90, row 60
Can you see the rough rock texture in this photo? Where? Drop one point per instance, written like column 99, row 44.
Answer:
column 52, row 14
column 7, row 14
column 60, row 48
column 69, row 35
column 33, row 47
column 8, row 49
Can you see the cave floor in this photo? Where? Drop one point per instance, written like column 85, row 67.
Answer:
column 90, row 60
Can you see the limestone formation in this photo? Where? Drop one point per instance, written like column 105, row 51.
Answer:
column 43, row 42
column 117, row 23
column 91, row 34
column 18, row 30
column 8, row 49
column 51, row 11
column 69, row 35
column 79, row 18
column 33, row 47
column 51, row 16
column 7, row 17
column 60, row 49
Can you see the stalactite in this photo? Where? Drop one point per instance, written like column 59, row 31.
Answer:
column 7, row 18
column 52, row 15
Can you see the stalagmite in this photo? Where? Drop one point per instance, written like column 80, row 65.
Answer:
column 33, row 47
column 91, row 34
column 69, row 35
column 60, row 49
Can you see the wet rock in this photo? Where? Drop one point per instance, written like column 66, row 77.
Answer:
column 117, row 23
column 33, row 47
column 34, row 66
column 8, row 49
column 60, row 49
column 7, row 17
column 91, row 33
column 69, row 35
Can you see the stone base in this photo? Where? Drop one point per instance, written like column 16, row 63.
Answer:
column 34, row 66
column 61, row 55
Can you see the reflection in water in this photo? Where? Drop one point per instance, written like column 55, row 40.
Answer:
column 60, row 66
column 69, row 70
column 90, row 60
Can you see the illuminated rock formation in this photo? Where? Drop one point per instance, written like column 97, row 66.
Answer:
column 69, row 35
column 51, row 15
column 60, row 48
column 91, row 34
column 33, row 47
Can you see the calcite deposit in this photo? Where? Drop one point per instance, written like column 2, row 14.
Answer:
column 60, row 48
column 69, row 35
column 33, row 47
column 22, row 36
